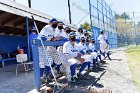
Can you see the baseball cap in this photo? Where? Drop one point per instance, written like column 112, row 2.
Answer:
column 80, row 29
column 53, row 20
column 85, row 31
column 72, row 34
column 33, row 28
column 67, row 27
column 60, row 22
column 82, row 38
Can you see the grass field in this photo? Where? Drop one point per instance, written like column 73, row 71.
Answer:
column 133, row 56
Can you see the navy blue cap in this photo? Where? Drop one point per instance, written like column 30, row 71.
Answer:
column 85, row 31
column 53, row 20
column 33, row 28
column 72, row 34
column 82, row 38
column 80, row 29
column 60, row 22
column 67, row 27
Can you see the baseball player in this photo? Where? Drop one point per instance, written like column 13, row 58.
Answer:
column 64, row 36
column 79, row 34
column 48, row 34
column 93, row 52
column 86, row 36
column 103, row 44
column 88, row 58
column 33, row 35
column 67, row 31
column 107, row 46
column 71, row 53
column 59, row 32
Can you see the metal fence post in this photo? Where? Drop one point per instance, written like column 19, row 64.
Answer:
column 28, row 38
column 135, row 40
column 37, row 80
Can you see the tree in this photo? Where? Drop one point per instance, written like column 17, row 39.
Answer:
column 122, row 16
column 125, row 16
column 123, row 23
column 117, row 16
column 86, row 25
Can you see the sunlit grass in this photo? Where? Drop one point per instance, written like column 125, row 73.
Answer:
column 133, row 56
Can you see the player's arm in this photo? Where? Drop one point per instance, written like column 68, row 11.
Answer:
column 78, row 57
column 81, row 51
column 66, row 51
column 56, row 38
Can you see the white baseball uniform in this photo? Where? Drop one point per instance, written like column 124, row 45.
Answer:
column 52, row 54
column 78, row 35
column 102, row 42
column 92, row 47
column 83, row 47
column 60, row 33
column 70, row 52
column 106, row 38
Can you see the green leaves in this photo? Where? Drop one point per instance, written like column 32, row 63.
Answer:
column 86, row 25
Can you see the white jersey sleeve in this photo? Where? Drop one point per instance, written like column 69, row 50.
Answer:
column 66, row 48
column 77, row 35
column 57, row 32
column 48, row 32
column 91, row 46
column 82, row 47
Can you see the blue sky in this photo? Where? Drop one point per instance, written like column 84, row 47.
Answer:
column 59, row 9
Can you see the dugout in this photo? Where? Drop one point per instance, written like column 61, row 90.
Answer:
column 15, row 22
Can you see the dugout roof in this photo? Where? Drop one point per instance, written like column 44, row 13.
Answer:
column 13, row 16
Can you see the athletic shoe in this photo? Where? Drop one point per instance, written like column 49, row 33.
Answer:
column 79, row 76
column 72, row 79
column 43, row 80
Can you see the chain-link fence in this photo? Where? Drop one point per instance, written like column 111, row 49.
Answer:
column 103, row 18
column 128, row 28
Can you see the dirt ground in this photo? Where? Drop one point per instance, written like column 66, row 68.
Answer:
column 117, row 78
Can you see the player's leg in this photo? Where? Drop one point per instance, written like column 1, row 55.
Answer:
column 94, row 57
column 47, row 68
column 99, row 56
column 108, row 54
column 83, row 66
column 57, row 58
column 102, row 49
column 73, row 71
column 42, row 64
column 72, row 66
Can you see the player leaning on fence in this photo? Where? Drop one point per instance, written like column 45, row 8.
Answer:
column 52, row 58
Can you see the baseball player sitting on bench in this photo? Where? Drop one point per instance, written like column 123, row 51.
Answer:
column 84, row 51
column 71, row 53
column 93, row 52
